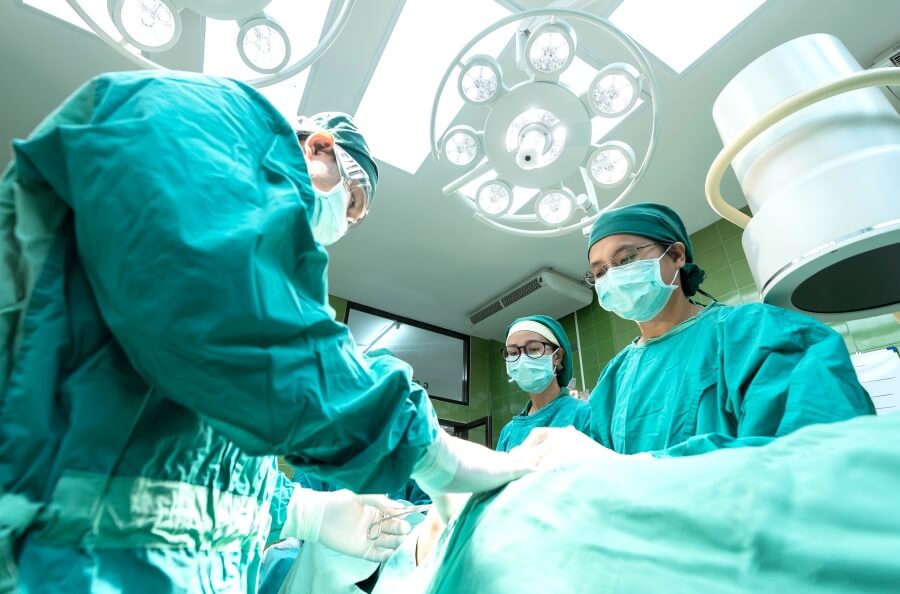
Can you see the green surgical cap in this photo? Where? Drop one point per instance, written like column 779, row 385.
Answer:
column 346, row 135
column 565, row 373
column 656, row 222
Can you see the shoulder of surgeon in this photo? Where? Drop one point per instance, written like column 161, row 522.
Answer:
column 219, row 93
column 762, row 321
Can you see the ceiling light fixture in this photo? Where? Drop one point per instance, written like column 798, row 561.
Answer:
column 535, row 141
column 141, row 29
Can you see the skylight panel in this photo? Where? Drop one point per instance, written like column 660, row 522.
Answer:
column 395, row 112
column 680, row 32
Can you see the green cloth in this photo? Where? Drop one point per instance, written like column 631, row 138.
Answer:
column 656, row 222
column 164, row 332
column 728, row 377
column 347, row 136
column 812, row 513
column 564, row 375
column 563, row 411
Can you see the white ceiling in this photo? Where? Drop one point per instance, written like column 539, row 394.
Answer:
column 418, row 254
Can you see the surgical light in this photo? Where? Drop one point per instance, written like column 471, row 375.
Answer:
column 232, row 38
column 263, row 45
column 551, row 48
column 527, row 160
column 150, row 25
column 494, row 197
column 614, row 90
column 555, row 207
column 611, row 163
column 480, row 79
column 462, row 145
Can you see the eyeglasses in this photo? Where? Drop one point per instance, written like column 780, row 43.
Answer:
column 622, row 258
column 533, row 349
column 358, row 185
column 355, row 180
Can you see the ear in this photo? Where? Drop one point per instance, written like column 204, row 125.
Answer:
column 678, row 253
column 318, row 142
column 558, row 357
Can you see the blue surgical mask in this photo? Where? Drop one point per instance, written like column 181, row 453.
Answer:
column 329, row 220
column 635, row 291
column 532, row 375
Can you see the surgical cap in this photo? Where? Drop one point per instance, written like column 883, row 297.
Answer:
column 553, row 327
column 656, row 222
column 346, row 135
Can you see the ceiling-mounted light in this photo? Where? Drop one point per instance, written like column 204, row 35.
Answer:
column 480, row 80
column 494, row 197
column 149, row 25
column 536, row 137
column 615, row 90
column 532, row 162
column 462, row 146
column 263, row 45
column 555, row 207
column 550, row 48
column 611, row 163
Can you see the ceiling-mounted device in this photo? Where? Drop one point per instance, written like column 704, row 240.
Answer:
column 533, row 164
column 889, row 59
column 816, row 151
column 545, row 292
column 142, row 30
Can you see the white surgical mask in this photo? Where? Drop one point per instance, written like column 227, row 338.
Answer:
column 635, row 291
column 329, row 220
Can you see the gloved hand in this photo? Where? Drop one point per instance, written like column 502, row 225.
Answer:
column 557, row 447
column 449, row 505
column 340, row 520
column 453, row 465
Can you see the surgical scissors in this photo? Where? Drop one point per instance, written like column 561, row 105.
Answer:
column 374, row 530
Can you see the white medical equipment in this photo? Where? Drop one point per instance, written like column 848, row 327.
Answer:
column 817, row 153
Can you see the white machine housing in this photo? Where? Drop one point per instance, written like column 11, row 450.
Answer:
column 823, row 184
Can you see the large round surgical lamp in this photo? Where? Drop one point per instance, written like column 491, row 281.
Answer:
column 139, row 30
column 816, row 151
column 531, row 165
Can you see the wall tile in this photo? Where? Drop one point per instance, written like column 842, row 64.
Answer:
column 719, row 284
column 713, row 259
column 742, row 274
column 734, row 250
column 706, row 238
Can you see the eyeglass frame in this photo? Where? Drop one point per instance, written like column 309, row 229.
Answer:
column 591, row 279
column 519, row 350
column 345, row 161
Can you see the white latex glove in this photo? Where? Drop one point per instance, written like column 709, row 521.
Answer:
column 340, row 520
column 449, row 505
column 557, row 447
column 453, row 465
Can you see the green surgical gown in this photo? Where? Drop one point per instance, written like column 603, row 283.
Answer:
column 164, row 332
column 564, row 411
column 729, row 377
column 814, row 512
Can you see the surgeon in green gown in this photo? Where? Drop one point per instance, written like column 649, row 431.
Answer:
column 164, row 333
column 538, row 359
column 703, row 378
